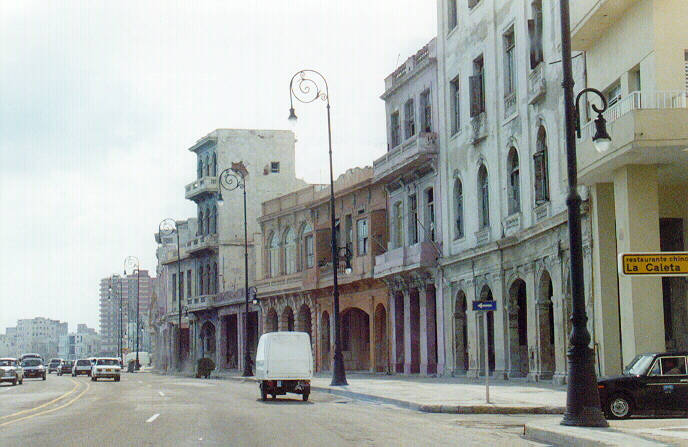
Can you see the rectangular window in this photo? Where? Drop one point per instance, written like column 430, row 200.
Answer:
column 410, row 123
column 397, row 224
column 362, row 234
column 174, row 287
column 509, row 63
column 310, row 256
column 455, row 105
column 188, row 283
column 535, row 35
column 413, row 220
column 181, row 286
column 426, row 111
column 275, row 167
column 541, row 190
column 395, row 134
column 477, row 86
column 429, row 215
column 452, row 16
column 613, row 94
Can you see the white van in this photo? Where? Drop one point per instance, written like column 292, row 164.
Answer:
column 284, row 364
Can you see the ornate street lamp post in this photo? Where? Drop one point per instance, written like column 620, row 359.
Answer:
column 132, row 262
column 307, row 86
column 582, row 398
column 167, row 227
column 231, row 179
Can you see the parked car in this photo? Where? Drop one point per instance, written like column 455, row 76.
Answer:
column 65, row 367
column 106, row 367
column 652, row 383
column 284, row 364
column 53, row 365
column 82, row 366
column 33, row 368
column 11, row 371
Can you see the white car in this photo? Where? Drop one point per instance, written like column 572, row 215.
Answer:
column 82, row 366
column 11, row 371
column 106, row 367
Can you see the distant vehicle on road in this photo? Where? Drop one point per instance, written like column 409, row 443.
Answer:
column 33, row 368
column 30, row 355
column 11, row 371
column 82, row 366
column 106, row 367
column 53, row 364
column 650, row 384
column 144, row 358
column 284, row 364
column 65, row 367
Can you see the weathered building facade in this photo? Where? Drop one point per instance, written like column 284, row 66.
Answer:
column 295, row 275
column 503, row 170
column 409, row 174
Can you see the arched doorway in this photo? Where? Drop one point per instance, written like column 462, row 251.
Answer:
column 304, row 320
column 287, row 320
column 208, row 340
column 545, row 319
column 325, row 357
column 380, row 338
column 486, row 295
column 271, row 323
column 518, row 329
column 356, row 339
column 460, row 333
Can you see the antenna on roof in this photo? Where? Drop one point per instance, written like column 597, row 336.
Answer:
column 397, row 64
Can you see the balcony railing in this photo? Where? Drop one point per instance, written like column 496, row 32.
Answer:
column 202, row 242
column 637, row 100
column 537, row 86
column 414, row 150
column 204, row 185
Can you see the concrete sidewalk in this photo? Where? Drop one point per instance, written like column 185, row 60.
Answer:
column 440, row 395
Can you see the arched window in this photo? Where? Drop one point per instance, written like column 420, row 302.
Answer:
column 214, row 170
column 308, row 257
column 541, row 169
column 458, row 209
column 213, row 220
column 514, row 189
column 215, row 278
column 209, row 283
column 199, row 231
column 484, row 197
column 199, row 170
column 274, row 255
column 289, row 252
column 200, row 280
column 207, row 165
column 206, row 224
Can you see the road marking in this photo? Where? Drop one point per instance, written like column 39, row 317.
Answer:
column 154, row 417
column 88, row 386
column 161, row 393
column 76, row 385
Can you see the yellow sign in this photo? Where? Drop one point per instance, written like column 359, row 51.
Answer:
column 665, row 263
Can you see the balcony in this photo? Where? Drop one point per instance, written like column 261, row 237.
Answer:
column 478, row 127
column 537, row 87
column 201, row 302
column 405, row 258
column 167, row 255
column 412, row 154
column 646, row 128
column 201, row 187
column 206, row 242
column 590, row 19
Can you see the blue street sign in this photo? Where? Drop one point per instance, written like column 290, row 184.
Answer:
column 484, row 305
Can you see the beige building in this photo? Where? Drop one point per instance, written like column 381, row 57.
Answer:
column 636, row 52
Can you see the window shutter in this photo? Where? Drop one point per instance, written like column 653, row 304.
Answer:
column 533, row 45
column 475, row 85
column 538, row 36
column 540, row 191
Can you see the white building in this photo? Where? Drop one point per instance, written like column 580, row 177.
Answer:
column 82, row 344
column 503, row 170
column 39, row 335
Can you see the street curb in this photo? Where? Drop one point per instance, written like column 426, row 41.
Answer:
column 425, row 408
column 584, row 437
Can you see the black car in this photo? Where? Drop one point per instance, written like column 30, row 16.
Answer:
column 652, row 383
column 33, row 368
column 65, row 367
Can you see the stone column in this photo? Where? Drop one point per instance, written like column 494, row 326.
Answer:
column 532, row 316
column 558, row 317
column 391, row 330
column 219, row 358
column 475, row 354
column 424, row 336
column 637, row 230
column 445, row 331
column 500, row 338
column 240, row 340
column 407, row 330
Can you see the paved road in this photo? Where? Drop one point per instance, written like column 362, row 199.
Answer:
column 151, row 410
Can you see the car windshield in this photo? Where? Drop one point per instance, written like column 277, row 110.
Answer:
column 32, row 362
column 7, row 362
column 638, row 365
column 108, row 362
column 83, row 362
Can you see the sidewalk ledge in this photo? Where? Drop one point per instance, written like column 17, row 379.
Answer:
column 550, row 431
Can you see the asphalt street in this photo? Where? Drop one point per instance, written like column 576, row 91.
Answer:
column 146, row 409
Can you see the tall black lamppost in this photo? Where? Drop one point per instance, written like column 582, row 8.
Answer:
column 582, row 397
column 307, row 86
column 133, row 263
column 167, row 227
column 231, row 179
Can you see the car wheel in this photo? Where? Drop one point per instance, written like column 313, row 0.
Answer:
column 14, row 382
column 304, row 396
column 263, row 393
column 43, row 376
column 619, row 407
column 116, row 379
column 94, row 379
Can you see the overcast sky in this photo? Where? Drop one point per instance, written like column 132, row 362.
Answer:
column 99, row 101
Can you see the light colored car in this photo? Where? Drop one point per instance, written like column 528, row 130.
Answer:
column 106, row 367
column 33, row 368
column 11, row 371
column 82, row 366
